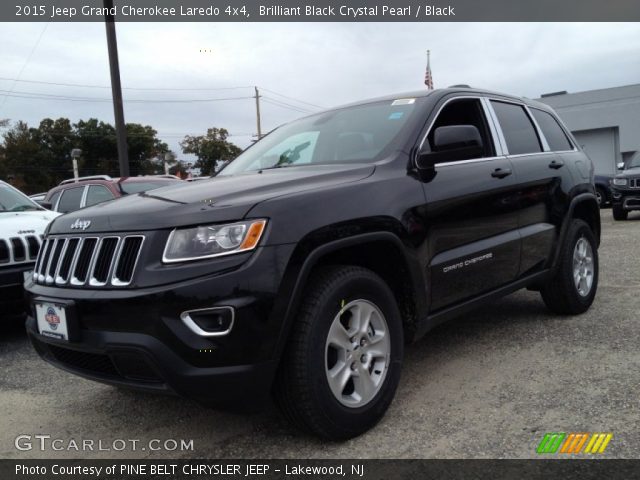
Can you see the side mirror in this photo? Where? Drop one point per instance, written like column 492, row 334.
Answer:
column 452, row 143
column 44, row 204
column 620, row 166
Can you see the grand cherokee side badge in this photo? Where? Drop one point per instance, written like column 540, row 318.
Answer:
column 80, row 224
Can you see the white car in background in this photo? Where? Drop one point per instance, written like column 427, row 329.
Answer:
column 22, row 225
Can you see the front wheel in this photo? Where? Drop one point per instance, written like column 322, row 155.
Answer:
column 573, row 287
column 342, row 363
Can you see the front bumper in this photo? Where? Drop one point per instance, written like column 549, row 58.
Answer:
column 626, row 199
column 136, row 338
column 12, row 301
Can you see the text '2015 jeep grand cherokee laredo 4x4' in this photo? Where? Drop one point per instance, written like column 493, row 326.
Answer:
column 309, row 261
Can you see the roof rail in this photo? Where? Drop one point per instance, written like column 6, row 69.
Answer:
column 84, row 179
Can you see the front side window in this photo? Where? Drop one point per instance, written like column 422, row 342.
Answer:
column 97, row 194
column 359, row 134
column 70, row 200
column 137, row 187
column 464, row 111
column 552, row 131
column 517, row 128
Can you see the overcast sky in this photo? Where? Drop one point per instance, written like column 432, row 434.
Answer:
column 323, row 64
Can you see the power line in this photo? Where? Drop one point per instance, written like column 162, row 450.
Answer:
column 291, row 98
column 26, row 62
column 48, row 96
column 282, row 104
column 82, row 85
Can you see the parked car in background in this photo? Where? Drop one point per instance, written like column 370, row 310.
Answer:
column 603, row 189
column 73, row 194
column 22, row 225
column 38, row 197
column 625, row 188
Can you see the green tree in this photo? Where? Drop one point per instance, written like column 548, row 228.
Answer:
column 210, row 149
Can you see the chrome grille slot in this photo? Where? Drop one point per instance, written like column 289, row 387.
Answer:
column 128, row 257
column 19, row 250
column 634, row 182
column 52, row 266
column 84, row 261
column 92, row 261
column 67, row 259
column 43, row 260
column 103, row 261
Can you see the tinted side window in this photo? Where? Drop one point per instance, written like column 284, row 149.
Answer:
column 519, row 132
column 467, row 111
column 70, row 200
column 552, row 131
column 97, row 194
column 54, row 199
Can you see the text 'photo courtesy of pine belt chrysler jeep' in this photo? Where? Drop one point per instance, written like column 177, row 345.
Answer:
column 22, row 226
column 305, row 265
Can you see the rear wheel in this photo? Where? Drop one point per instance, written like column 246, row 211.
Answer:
column 342, row 364
column 619, row 213
column 573, row 287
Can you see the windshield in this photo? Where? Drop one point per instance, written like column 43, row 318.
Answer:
column 634, row 162
column 360, row 134
column 11, row 200
column 137, row 187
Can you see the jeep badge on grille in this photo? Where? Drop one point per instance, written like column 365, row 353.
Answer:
column 80, row 224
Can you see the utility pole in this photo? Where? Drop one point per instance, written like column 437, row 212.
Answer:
column 257, row 97
column 116, row 89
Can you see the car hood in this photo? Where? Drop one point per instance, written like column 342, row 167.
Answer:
column 631, row 172
column 25, row 223
column 220, row 199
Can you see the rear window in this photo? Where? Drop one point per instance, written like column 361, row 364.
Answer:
column 517, row 128
column 552, row 131
column 137, row 187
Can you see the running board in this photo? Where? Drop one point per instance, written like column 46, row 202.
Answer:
column 448, row 313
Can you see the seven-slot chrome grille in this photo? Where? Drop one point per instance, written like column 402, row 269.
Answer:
column 93, row 261
column 19, row 249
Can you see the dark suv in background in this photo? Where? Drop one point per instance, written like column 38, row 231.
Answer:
column 626, row 189
column 72, row 194
column 305, row 265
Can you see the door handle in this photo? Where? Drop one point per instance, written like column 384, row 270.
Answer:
column 501, row 172
column 556, row 164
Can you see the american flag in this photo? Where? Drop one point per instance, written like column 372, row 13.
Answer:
column 428, row 79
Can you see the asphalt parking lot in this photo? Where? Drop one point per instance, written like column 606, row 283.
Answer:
column 489, row 385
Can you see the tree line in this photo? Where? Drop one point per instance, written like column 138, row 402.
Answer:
column 38, row 158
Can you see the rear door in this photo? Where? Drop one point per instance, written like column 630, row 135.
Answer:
column 474, row 246
column 542, row 179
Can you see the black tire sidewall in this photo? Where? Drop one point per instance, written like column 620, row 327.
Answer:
column 372, row 289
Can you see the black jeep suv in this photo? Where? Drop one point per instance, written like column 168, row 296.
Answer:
column 625, row 189
column 307, row 263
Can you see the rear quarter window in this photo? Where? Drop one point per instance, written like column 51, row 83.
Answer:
column 552, row 131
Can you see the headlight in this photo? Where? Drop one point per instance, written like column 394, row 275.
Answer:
column 209, row 241
column 620, row 181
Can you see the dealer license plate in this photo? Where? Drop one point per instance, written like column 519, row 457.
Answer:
column 52, row 320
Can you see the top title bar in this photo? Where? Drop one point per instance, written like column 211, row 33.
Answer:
column 322, row 11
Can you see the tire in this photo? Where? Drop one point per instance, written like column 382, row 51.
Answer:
column 562, row 294
column 334, row 298
column 619, row 213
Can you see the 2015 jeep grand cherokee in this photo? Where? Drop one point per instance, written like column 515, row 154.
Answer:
column 308, row 262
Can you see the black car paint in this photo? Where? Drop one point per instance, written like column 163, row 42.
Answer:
column 412, row 222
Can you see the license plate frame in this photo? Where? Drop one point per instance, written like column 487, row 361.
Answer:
column 55, row 319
